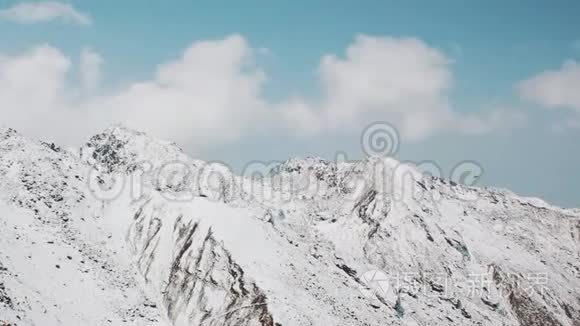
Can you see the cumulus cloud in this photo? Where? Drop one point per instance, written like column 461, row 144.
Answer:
column 554, row 88
column 32, row 85
column 44, row 11
column 400, row 80
column 209, row 95
column 213, row 94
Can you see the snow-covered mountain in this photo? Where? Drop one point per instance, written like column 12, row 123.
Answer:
column 128, row 230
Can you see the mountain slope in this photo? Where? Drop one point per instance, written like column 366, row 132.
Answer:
column 178, row 241
column 57, row 266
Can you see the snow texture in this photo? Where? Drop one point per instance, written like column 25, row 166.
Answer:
column 314, row 242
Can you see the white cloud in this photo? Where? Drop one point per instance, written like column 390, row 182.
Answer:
column 212, row 95
column 90, row 69
column 44, row 11
column 209, row 96
column 554, row 88
column 400, row 80
column 32, row 85
column 395, row 76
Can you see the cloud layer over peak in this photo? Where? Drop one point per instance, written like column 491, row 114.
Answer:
column 213, row 94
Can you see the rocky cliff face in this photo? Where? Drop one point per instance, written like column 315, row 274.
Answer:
column 184, row 242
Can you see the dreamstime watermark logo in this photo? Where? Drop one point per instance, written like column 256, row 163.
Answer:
column 291, row 180
column 380, row 139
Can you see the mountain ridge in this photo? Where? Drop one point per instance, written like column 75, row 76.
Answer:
column 232, row 255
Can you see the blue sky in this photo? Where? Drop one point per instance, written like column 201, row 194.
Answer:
column 493, row 43
column 491, row 47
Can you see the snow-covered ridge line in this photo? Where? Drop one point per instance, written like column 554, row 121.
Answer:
column 345, row 254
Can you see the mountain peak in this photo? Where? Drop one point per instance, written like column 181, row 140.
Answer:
column 123, row 131
column 118, row 147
